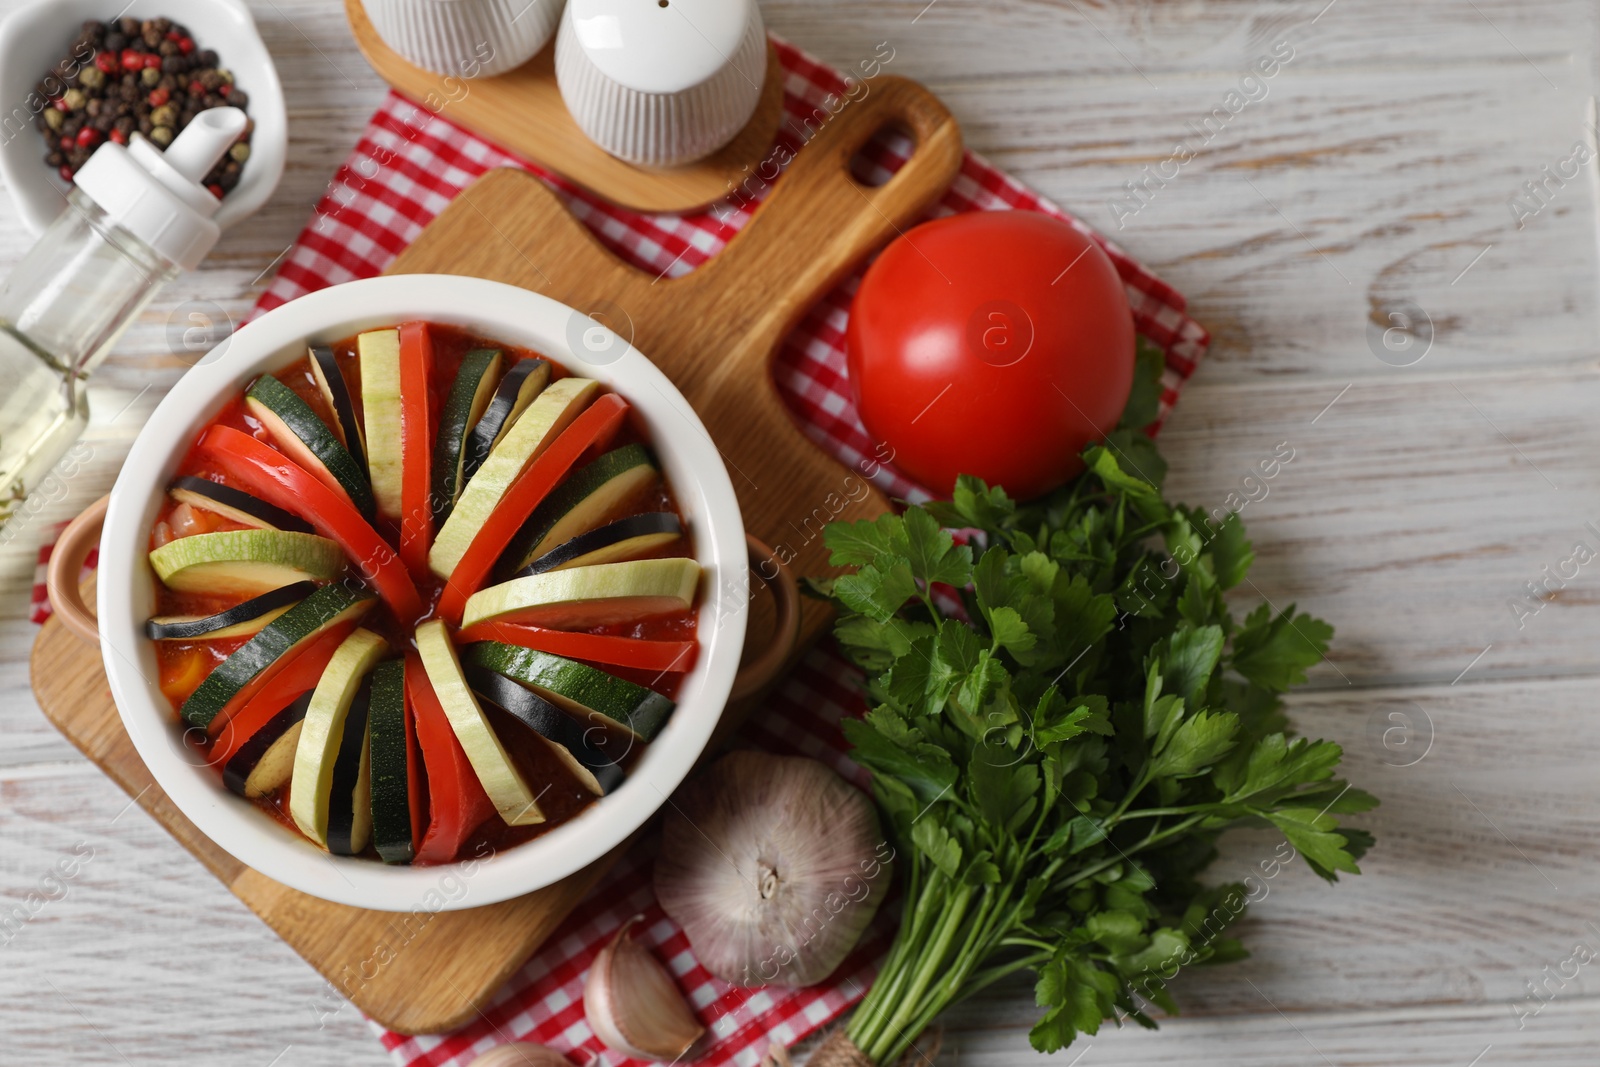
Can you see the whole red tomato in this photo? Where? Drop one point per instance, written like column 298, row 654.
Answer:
column 993, row 343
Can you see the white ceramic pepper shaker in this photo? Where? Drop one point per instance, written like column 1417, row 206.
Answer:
column 465, row 38
column 661, row 82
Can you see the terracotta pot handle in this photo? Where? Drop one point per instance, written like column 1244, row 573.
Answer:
column 80, row 537
column 755, row 675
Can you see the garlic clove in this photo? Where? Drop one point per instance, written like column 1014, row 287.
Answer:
column 634, row 1006
column 773, row 866
column 522, row 1054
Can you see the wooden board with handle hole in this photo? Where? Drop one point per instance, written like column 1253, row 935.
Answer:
column 714, row 332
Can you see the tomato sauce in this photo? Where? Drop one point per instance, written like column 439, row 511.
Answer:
column 185, row 664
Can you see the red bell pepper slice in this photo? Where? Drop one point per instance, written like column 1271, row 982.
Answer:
column 645, row 655
column 301, row 673
column 273, row 476
column 598, row 423
column 457, row 804
column 416, row 445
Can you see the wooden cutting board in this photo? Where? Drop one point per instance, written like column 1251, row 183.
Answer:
column 714, row 333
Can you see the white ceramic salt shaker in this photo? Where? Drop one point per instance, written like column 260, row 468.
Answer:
column 661, row 82
column 465, row 38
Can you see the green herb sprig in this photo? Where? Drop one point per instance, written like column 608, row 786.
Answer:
column 1065, row 718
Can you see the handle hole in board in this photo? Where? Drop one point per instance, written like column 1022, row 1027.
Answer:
column 883, row 154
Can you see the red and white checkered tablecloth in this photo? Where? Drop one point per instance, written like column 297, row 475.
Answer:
column 407, row 166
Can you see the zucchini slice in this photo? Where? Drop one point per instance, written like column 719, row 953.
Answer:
column 235, row 504
column 245, row 562
column 624, row 539
column 379, row 353
column 552, row 412
column 240, row 620
column 525, row 380
column 391, row 755
column 235, row 678
column 581, row 598
column 589, row 496
column 599, row 772
column 350, row 791
column 266, row 760
column 323, row 734
column 579, row 688
column 336, row 391
column 306, row 439
column 507, row 789
column 463, row 409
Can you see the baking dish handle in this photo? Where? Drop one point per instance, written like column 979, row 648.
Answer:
column 761, row 671
column 80, row 538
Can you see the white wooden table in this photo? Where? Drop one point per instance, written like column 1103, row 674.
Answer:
column 1373, row 174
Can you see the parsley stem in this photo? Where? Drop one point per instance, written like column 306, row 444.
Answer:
column 987, row 936
column 1127, row 798
column 990, row 975
column 1031, row 942
column 886, row 988
column 1155, row 837
column 930, row 964
column 1152, row 813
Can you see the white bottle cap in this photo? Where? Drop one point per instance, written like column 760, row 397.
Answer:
column 158, row 197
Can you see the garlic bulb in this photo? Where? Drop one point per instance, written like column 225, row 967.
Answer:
column 522, row 1054
column 634, row 1006
column 773, row 866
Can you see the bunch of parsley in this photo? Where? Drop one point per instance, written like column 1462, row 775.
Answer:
column 1066, row 716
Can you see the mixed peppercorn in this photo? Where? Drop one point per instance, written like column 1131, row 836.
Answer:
column 130, row 75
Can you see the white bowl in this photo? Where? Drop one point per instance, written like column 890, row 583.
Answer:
column 465, row 38
column 36, row 36
column 505, row 313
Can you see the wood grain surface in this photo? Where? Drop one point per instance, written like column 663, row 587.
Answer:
column 523, row 110
column 1378, row 167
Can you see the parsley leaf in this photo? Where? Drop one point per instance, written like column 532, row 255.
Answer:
column 1274, row 651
